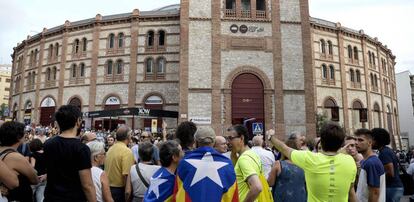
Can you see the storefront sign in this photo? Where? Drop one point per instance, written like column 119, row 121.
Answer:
column 201, row 120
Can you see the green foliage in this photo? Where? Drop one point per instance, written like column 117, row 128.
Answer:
column 321, row 119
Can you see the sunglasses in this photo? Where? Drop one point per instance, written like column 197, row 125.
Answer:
column 230, row 138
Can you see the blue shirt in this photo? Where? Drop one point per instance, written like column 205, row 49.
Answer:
column 372, row 175
column 386, row 155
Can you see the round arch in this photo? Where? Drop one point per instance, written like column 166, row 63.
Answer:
column 47, row 110
column 247, row 69
column 75, row 101
column 115, row 104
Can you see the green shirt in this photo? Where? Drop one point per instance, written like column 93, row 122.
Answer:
column 328, row 178
column 248, row 164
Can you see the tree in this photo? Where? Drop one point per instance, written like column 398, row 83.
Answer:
column 321, row 119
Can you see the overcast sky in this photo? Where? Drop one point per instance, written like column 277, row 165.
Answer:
column 389, row 20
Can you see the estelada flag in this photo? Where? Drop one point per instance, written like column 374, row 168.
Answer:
column 205, row 175
column 161, row 187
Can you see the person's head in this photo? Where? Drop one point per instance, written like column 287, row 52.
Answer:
column 110, row 139
column 238, row 137
column 35, row 145
column 205, row 137
column 88, row 137
column 363, row 140
column 221, row 144
column 97, row 152
column 257, row 141
column 145, row 151
column 146, row 136
column 332, row 137
column 11, row 134
column 350, row 141
column 40, row 131
column 69, row 117
column 298, row 138
column 185, row 133
column 170, row 153
column 380, row 137
column 123, row 134
column 292, row 144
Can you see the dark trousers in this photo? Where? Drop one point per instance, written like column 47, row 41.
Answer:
column 118, row 194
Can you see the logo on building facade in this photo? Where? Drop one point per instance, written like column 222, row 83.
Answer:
column 244, row 29
column 234, row 28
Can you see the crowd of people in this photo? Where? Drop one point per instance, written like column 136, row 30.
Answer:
column 192, row 163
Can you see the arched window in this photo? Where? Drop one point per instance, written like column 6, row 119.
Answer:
column 231, row 4
column 84, row 44
column 57, row 49
column 350, row 51
column 48, row 74
column 82, row 70
column 358, row 76
column 36, row 57
column 376, row 80
column 150, row 39
column 373, row 58
column 109, row 67
column 355, row 53
column 377, row 116
column 161, row 38
column 372, row 80
column 149, row 66
column 50, row 54
column 54, row 73
column 161, row 65
column 386, row 87
column 359, row 114
column 73, row 71
column 29, row 80
column 369, row 57
column 77, row 46
column 330, row 48
column 119, row 66
column 331, row 109
column 31, row 59
column 76, row 102
column 120, row 40
column 260, row 5
column 33, row 78
column 324, row 72
column 332, row 72
column 111, row 40
column 351, row 72
column 323, row 45
column 245, row 5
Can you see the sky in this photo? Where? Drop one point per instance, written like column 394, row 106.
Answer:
column 389, row 20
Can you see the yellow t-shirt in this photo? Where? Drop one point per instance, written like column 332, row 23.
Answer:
column 248, row 164
column 118, row 162
column 328, row 178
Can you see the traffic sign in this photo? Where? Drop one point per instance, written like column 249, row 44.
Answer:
column 257, row 128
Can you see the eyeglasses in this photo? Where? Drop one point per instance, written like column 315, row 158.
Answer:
column 230, row 138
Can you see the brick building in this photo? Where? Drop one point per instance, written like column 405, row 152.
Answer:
column 216, row 61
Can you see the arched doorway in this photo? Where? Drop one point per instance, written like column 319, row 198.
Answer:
column 358, row 115
column 377, row 116
column 247, row 98
column 27, row 113
column 331, row 109
column 112, row 102
column 76, row 102
column 47, row 110
column 153, row 102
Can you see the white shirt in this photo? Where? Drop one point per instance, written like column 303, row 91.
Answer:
column 147, row 172
column 267, row 158
column 96, row 178
column 410, row 169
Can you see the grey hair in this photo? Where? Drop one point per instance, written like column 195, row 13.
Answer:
column 96, row 148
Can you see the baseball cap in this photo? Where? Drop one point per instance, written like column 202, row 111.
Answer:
column 204, row 132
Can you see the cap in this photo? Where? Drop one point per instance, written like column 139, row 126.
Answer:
column 204, row 132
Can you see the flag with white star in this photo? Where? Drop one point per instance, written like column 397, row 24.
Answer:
column 205, row 175
column 161, row 186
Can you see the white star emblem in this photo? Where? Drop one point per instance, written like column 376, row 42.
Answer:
column 206, row 167
column 155, row 185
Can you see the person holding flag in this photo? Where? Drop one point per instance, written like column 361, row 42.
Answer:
column 162, row 182
column 205, row 175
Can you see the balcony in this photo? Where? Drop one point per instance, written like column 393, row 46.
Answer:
column 261, row 14
column 230, row 13
column 246, row 14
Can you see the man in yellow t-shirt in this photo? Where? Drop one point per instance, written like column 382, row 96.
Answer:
column 119, row 160
column 329, row 175
column 248, row 167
